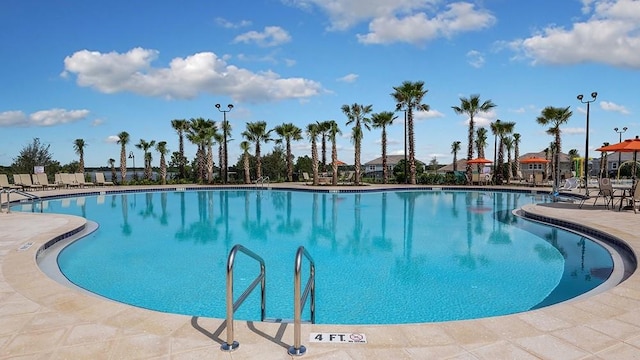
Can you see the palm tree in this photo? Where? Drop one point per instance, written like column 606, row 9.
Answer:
column 245, row 146
column 123, row 140
column 603, row 160
column 257, row 133
column 357, row 115
column 78, row 147
column 112, row 166
column 200, row 133
column 161, row 147
column 555, row 116
column 145, row 146
column 501, row 129
column 381, row 121
column 472, row 107
column 455, row 147
column 508, row 145
column 224, row 162
column 219, row 138
column 181, row 126
column 312, row 133
column 481, row 141
column 573, row 155
column 408, row 97
column 334, row 130
column 288, row 132
column 323, row 132
column 516, row 154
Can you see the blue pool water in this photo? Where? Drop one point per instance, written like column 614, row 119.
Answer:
column 381, row 257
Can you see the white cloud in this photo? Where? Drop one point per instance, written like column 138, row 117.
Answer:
column 419, row 27
column 349, row 78
column 475, row 59
column 573, row 131
column 184, row 77
column 610, row 106
column 42, row 118
column 230, row 25
column 271, row 36
column 112, row 139
column 97, row 122
column 610, row 36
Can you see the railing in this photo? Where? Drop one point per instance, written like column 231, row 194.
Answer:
column 299, row 300
column 233, row 306
column 29, row 197
column 262, row 180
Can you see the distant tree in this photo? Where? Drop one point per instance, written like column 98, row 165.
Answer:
column 33, row 154
column 312, row 133
column 481, row 141
column 381, row 121
column 257, row 133
column 304, row 164
column 145, row 146
column 516, row 153
column 555, row 116
column 180, row 126
column 398, row 170
column 323, row 131
column 123, row 140
column 356, row 115
column 275, row 164
column 245, row 146
column 334, row 131
column 112, row 166
column 471, row 106
column 288, row 132
column 161, row 147
column 78, row 147
column 455, row 147
column 508, row 145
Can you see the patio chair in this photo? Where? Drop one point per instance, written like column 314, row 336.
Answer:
column 537, row 179
column 100, row 181
column 569, row 184
column 42, row 179
column 607, row 193
column 67, row 180
column 4, row 183
column 81, row 180
column 635, row 199
column 306, row 178
column 25, row 181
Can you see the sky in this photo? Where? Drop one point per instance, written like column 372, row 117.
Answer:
column 91, row 69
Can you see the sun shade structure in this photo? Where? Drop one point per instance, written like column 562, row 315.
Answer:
column 534, row 160
column 479, row 161
column 628, row 145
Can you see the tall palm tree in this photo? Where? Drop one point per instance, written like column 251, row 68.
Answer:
column 603, row 160
column 508, row 145
column 78, row 147
column 288, row 132
column 334, row 130
column 455, row 147
column 323, row 132
column 516, row 154
column 181, row 126
column 381, row 121
column 112, row 165
column 145, row 146
column 357, row 115
column 312, row 133
column 257, row 133
column 472, row 107
column 245, row 146
column 225, row 127
column 555, row 116
column 200, row 134
column 161, row 147
column 123, row 140
column 219, row 139
column 573, row 155
column 481, row 141
column 408, row 97
column 502, row 129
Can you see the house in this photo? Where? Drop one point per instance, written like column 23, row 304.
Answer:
column 528, row 170
column 373, row 168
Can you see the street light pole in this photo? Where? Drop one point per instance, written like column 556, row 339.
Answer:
column 586, row 143
column 620, row 132
column 133, row 157
column 223, row 167
column 406, row 178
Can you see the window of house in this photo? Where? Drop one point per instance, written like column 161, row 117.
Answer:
column 614, row 165
column 372, row 168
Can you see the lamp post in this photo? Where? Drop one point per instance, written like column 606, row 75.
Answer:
column 586, row 143
column 495, row 152
column 620, row 132
column 133, row 157
column 223, row 167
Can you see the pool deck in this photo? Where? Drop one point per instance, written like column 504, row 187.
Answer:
column 41, row 319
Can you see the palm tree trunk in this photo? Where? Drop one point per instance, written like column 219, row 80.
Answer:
column 289, row 162
column 123, row 164
column 258, row 161
column 470, row 151
column 412, row 153
column 385, row 174
column 357, row 163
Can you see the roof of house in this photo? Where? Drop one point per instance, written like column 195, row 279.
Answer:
column 391, row 160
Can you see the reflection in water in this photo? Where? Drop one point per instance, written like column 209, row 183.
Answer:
column 404, row 242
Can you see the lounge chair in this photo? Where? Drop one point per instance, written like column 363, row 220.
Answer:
column 348, row 179
column 67, row 180
column 306, row 178
column 42, row 179
column 100, row 181
column 81, row 180
column 569, row 184
column 606, row 192
column 24, row 180
column 4, row 183
column 537, row 179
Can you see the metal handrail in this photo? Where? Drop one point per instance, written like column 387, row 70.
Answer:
column 233, row 306
column 30, row 197
column 300, row 300
column 261, row 180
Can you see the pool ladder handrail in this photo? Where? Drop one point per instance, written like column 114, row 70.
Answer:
column 299, row 299
column 262, row 180
column 29, row 197
column 232, row 306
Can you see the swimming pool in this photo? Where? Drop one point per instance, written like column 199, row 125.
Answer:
column 381, row 257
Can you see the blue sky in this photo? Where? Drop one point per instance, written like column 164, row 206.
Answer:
column 91, row 69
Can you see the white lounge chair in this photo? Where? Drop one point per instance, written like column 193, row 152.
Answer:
column 4, row 183
column 100, row 181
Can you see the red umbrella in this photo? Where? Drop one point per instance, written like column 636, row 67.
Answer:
column 628, row 145
column 534, row 160
column 479, row 160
